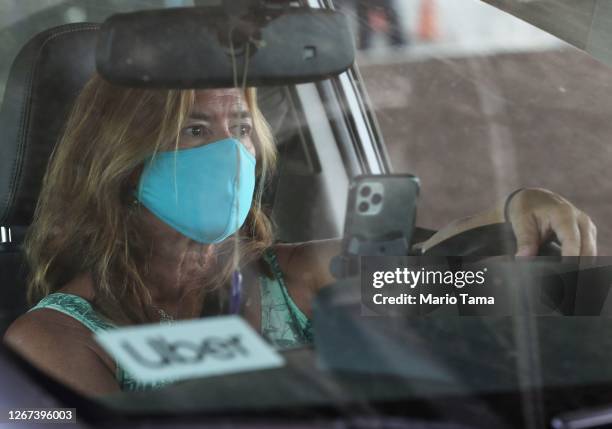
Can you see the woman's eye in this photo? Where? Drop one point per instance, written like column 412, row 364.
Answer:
column 244, row 130
column 195, row 131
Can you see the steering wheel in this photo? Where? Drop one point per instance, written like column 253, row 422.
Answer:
column 486, row 241
column 498, row 240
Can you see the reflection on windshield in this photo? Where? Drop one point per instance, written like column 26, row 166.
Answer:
column 489, row 99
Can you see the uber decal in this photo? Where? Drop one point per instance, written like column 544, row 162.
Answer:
column 188, row 349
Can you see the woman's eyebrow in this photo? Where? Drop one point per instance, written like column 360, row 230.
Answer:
column 199, row 115
column 240, row 114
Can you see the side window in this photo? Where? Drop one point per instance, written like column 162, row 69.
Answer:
column 478, row 103
column 308, row 193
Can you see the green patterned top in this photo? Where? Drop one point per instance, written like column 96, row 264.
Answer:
column 283, row 324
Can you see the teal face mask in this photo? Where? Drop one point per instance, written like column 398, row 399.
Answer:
column 205, row 193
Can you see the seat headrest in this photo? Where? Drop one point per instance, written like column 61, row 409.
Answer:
column 44, row 80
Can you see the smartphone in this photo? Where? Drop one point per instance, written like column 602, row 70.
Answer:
column 380, row 215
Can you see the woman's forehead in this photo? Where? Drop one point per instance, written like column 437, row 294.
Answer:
column 225, row 99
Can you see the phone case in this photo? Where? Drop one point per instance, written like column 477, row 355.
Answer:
column 380, row 215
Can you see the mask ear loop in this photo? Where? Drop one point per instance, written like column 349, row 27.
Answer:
column 236, row 281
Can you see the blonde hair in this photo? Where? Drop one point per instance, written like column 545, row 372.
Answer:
column 85, row 221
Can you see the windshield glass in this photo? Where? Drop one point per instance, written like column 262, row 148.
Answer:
column 475, row 96
column 487, row 123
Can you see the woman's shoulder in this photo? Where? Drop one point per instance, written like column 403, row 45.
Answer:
column 44, row 324
column 304, row 269
column 292, row 260
column 74, row 300
column 54, row 319
column 43, row 329
column 63, row 348
column 307, row 262
column 61, row 345
column 36, row 329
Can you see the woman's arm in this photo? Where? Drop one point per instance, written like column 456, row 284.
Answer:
column 63, row 348
column 535, row 214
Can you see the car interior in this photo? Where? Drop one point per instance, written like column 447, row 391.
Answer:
column 318, row 141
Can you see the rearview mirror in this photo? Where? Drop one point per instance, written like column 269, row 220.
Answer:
column 205, row 47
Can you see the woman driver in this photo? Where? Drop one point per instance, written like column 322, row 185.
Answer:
column 139, row 199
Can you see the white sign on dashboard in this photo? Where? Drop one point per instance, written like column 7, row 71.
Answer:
column 188, row 349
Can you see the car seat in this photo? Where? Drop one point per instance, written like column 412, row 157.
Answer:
column 43, row 82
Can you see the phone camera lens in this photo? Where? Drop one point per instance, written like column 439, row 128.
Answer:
column 376, row 198
column 365, row 191
column 364, row 207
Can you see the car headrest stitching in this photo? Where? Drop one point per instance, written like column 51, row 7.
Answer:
column 25, row 115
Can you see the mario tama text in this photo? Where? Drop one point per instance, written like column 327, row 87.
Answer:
column 411, row 285
column 410, row 278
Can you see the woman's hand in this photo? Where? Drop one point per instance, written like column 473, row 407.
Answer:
column 537, row 214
